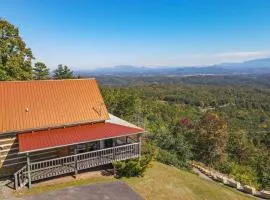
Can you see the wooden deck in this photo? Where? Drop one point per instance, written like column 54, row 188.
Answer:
column 72, row 164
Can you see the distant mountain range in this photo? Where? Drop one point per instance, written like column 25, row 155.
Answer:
column 257, row 66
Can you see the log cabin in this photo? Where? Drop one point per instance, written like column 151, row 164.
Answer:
column 50, row 128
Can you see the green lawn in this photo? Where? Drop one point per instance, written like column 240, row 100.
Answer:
column 165, row 182
column 160, row 182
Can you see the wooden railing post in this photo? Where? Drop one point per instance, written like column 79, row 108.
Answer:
column 29, row 170
column 15, row 181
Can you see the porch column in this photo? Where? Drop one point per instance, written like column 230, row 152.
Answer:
column 139, row 138
column 101, row 144
column 28, row 170
column 76, row 160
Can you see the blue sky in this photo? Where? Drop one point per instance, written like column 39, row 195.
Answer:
column 89, row 34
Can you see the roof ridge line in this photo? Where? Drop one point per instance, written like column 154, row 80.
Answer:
column 49, row 80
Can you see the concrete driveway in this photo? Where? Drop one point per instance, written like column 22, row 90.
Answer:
column 100, row 191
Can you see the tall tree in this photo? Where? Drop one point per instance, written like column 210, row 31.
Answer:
column 41, row 71
column 240, row 147
column 211, row 139
column 63, row 72
column 15, row 57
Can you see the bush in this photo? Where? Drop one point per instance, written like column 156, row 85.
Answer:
column 224, row 167
column 149, row 149
column 132, row 167
column 245, row 175
column 169, row 158
column 263, row 169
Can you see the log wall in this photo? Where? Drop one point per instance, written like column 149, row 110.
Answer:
column 11, row 160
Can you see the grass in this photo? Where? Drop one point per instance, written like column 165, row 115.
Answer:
column 160, row 182
column 165, row 182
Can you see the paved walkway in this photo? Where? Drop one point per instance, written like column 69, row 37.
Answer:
column 6, row 193
column 100, row 191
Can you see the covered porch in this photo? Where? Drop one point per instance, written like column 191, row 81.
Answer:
column 103, row 144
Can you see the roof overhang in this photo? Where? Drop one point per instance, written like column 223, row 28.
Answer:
column 60, row 137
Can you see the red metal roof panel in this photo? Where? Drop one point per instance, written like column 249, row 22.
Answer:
column 46, row 139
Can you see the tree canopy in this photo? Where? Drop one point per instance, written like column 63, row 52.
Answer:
column 41, row 71
column 15, row 57
column 211, row 138
column 63, row 72
column 224, row 125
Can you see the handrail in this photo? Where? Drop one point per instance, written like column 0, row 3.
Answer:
column 16, row 173
column 19, row 178
column 79, row 154
column 117, row 147
column 73, row 163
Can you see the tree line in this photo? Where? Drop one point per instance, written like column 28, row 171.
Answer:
column 233, row 139
column 16, row 58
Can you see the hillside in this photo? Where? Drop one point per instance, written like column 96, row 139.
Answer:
column 160, row 182
column 182, row 117
column 165, row 182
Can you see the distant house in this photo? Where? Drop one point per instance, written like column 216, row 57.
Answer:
column 55, row 127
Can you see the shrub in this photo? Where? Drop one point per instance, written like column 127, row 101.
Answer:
column 224, row 167
column 132, row 167
column 169, row 158
column 263, row 169
column 245, row 175
column 149, row 149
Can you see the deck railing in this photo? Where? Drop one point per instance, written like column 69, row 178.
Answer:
column 21, row 178
column 68, row 164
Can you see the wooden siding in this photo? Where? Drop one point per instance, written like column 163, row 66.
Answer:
column 11, row 160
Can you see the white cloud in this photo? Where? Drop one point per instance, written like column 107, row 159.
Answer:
column 233, row 54
column 244, row 54
column 216, row 58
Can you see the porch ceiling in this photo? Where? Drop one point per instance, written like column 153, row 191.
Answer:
column 40, row 140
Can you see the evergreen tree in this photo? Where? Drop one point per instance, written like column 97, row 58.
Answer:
column 15, row 57
column 63, row 72
column 41, row 71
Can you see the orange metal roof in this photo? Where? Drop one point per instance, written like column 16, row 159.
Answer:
column 28, row 105
column 72, row 135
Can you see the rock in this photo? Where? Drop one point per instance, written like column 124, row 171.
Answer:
column 264, row 194
column 214, row 176
column 234, row 184
column 249, row 189
column 225, row 180
column 219, row 178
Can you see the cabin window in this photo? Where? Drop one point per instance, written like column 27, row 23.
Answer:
column 108, row 143
column 81, row 148
column 92, row 146
column 86, row 147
